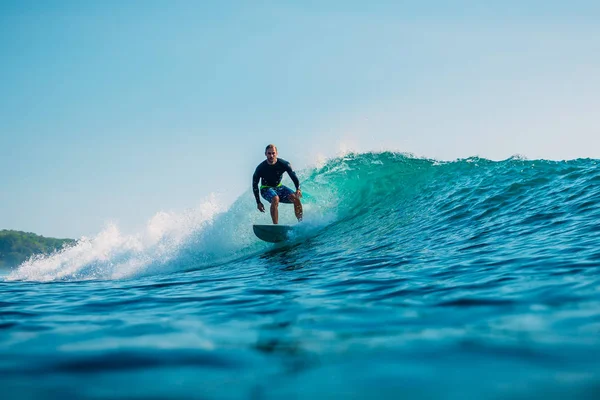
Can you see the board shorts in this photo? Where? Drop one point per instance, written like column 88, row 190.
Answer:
column 282, row 191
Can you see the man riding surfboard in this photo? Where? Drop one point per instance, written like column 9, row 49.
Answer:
column 271, row 172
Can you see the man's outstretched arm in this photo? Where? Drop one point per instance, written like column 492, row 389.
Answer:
column 255, row 179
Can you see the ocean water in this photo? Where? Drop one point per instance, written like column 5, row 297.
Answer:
column 409, row 278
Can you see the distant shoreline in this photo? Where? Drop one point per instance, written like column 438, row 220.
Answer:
column 18, row 246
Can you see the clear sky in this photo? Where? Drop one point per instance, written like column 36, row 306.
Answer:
column 116, row 110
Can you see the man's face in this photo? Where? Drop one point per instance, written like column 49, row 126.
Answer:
column 271, row 155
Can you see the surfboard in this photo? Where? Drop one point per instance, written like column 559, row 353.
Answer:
column 272, row 233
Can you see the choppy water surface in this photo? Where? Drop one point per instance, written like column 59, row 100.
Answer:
column 409, row 279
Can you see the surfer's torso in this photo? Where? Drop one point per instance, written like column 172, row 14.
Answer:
column 271, row 175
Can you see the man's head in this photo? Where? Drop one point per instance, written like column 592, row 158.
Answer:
column 271, row 153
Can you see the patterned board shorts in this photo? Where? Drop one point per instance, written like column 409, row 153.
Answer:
column 282, row 191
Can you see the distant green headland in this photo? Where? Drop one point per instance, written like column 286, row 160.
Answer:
column 16, row 246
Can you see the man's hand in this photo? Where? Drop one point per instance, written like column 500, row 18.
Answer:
column 299, row 193
column 260, row 207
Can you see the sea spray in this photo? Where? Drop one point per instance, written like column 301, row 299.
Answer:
column 114, row 255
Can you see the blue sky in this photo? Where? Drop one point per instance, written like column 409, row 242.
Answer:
column 115, row 110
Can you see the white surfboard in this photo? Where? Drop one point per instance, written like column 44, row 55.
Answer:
column 273, row 233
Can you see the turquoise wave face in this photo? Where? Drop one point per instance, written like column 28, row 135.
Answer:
column 513, row 207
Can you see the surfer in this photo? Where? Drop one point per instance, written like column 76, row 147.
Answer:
column 271, row 171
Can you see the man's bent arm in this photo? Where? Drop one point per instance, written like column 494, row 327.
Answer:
column 294, row 177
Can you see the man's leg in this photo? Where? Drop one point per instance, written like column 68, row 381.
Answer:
column 297, row 206
column 274, row 210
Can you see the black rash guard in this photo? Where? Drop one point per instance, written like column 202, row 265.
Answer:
column 271, row 175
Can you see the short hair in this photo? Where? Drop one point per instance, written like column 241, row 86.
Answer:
column 270, row 146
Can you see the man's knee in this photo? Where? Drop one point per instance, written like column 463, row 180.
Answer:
column 275, row 201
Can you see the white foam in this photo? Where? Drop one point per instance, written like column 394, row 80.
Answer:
column 113, row 255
